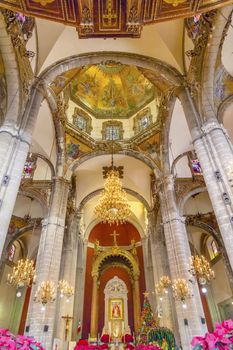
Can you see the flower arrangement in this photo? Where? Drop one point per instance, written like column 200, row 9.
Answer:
column 220, row 339
column 105, row 338
column 11, row 342
column 127, row 338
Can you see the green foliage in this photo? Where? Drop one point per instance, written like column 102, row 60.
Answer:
column 160, row 335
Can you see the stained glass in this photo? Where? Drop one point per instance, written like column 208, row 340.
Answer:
column 11, row 253
column 112, row 132
column 144, row 122
column 214, row 248
column 81, row 123
column 196, row 167
column 28, row 169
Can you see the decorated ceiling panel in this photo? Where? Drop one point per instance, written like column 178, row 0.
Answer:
column 111, row 90
column 111, row 18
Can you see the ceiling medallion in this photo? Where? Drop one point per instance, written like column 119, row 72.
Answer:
column 174, row 2
column 43, row 2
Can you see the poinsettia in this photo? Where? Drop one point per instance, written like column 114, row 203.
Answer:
column 127, row 338
column 220, row 339
column 147, row 347
column 11, row 342
column 105, row 338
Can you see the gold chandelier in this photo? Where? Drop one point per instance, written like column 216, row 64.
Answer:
column 161, row 287
column 200, row 268
column 23, row 274
column 181, row 290
column 65, row 289
column 113, row 206
column 45, row 293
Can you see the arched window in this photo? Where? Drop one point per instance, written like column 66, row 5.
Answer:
column 82, row 120
column 112, row 130
column 142, row 120
column 212, row 248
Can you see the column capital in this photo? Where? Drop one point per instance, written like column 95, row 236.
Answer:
column 213, row 125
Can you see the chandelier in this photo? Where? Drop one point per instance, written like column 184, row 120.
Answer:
column 161, row 287
column 65, row 289
column 181, row 290
column 113, row 206
column 23, row 274
column 45, row 293
column 200, row 268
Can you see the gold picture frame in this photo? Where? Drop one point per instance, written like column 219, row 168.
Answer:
column 116, row 309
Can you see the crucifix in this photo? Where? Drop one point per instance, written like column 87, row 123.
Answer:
column 67, row 319
column 109, row 13
column 114, row 234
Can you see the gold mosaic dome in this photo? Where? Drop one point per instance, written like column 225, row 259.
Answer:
column 111, row 90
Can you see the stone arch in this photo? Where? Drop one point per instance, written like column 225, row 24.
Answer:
column 131, row 153
column 117, row 252
column 127, row 190
column 187, row 195
column 130, row 220
column 170, row 76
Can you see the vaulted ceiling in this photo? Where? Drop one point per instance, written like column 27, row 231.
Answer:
column 111, row 18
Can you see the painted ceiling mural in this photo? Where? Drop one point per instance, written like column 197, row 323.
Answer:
column 111, row 18
column 111, row 90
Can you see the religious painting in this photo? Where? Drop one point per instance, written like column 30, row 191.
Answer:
column 116, row 309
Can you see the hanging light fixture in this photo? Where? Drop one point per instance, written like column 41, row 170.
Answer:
column 45, row 293
column 65, row 289
column 181, row 290
column 162, row 286
column 200, row 268
column 23, row 275
column 113, row 206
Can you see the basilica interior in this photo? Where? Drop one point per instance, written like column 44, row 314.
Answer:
column 137, row 96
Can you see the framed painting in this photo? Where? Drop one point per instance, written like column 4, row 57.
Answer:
column 116, row 309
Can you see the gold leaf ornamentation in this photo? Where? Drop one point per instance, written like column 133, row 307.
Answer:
column 174, row 2
column 44, row 2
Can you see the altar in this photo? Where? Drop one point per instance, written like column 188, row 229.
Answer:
column 116, row 309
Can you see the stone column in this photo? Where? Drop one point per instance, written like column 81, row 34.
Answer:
column 136, row 303
column 80, row 286
column 178, row 256
column 68, row 273
column 94, row 308
column 14, row 146
column 48, row 264
column 161, row 268
column 215, row 153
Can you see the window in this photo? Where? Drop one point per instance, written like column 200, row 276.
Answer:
column 212, row 248
column 81, row 123
column 29, row 167
column 112, row 130
column 82, row 120
column 196, row 167
column 11, row 253
column 142, row 120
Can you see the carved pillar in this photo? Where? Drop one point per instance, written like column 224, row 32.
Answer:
column 215, row 153
column 136, row 303
column 94, row 308
column 14, row 146
column 68, row 273
column 178, row 256
column 48, row 264
column 165, row 308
